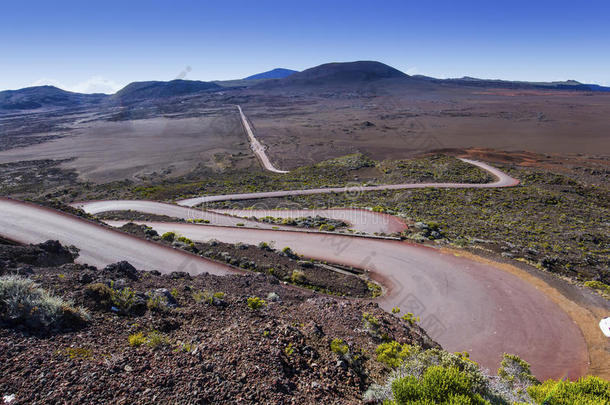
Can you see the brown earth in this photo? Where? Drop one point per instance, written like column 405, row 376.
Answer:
column 206, row 351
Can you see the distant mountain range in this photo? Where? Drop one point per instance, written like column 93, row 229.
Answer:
column 278, row 73
column 326, row 77
column 137, row 91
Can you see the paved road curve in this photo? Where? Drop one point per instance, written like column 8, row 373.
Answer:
column 463, row 304
column 99, row 246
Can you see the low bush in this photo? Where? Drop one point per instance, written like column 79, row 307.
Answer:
column 22, row 302
column 339, row 347
column 392, row 353
column 137, row 339
column 154, row 339
column 255, row 303
column 410, row 318
column 587, row 390
column 169, row 236
column 438, row 385
column 297, row 277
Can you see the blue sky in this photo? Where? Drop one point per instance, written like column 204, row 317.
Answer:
column 101, row 46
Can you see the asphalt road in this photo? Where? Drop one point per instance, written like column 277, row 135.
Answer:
column 99, row 246
column 463, row 304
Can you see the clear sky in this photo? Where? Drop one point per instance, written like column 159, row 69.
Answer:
column 103, row 45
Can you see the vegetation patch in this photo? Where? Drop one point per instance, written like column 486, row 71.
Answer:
column 23, row 302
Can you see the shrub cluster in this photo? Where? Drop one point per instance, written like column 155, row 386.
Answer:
column 22, row 302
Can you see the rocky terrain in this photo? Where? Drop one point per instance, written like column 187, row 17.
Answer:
column 154, row 337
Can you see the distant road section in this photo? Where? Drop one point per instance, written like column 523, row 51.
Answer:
column 503, row 180
column 257, row 147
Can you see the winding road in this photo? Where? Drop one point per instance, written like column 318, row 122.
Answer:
column 464, row 304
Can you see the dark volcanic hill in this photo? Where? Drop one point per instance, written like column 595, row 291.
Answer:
column 331, row 74
column 278, row 73
column 31, row 98
column 137, row 91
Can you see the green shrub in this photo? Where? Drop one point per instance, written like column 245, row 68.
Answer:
column 23, row 302
column 123, row 299
column 297, row 277
column 370, row 322
column 137, row 339
column 374, row 288
column 395, row 310
column 169, row 236
column 515, row 371
column 438, row 385
column 78, row 353
column 289, row 350
column 207, row 296
column 101, row 294
column 156, row 339
column 156, row 303
column 585, row 391
column 255, row 303
column 410, row 318
column 339, row 346
column 184, row 239
column 199, row 296
column 392, row 353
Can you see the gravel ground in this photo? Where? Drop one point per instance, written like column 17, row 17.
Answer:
column 210, row 350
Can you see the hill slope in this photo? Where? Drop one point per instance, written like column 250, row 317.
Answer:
column 278, row 73
column 155, row 89
column 45, row 96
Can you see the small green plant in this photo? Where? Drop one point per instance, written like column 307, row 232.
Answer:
column 199, row 296
column 264, row 246
column 266, row 333
column 374, row 288
column 185, row 240
column 240, row 224
column 78, row 353
column 395, row 310
column 156, row 340
column 169, row 236
column 392, row 353
column 137, row 339
column 174, row 292
column 61, row 276
column 297, row 277
column 339, row 347
column 289, row 350
column 156, row 303
column 255, row 303
column 370, row 321
column 410, row 318
column 185, row 348
column 123, row 299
